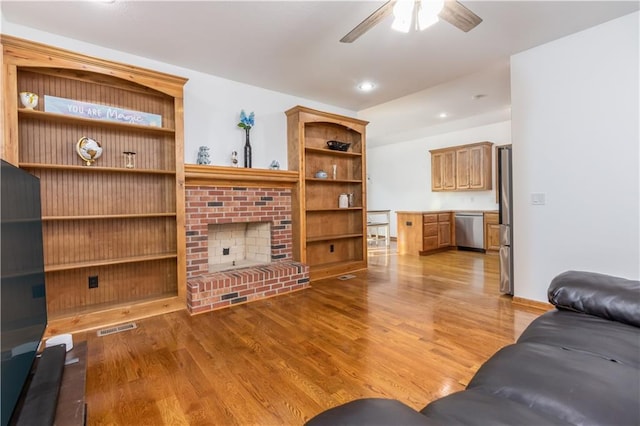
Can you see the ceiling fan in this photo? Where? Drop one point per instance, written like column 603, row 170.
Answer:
column 451, row 11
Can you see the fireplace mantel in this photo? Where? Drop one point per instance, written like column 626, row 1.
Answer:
column 237, row 176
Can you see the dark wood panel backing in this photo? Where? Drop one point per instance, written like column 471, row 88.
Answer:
column 68, row 291
column 333, row 223
column 316, row 135
column 64, row 85
column 325, row 195
column 319, row 253
column 55, row 143
column 99, row 240
column 71, row 193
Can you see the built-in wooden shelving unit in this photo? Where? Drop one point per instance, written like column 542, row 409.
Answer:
column 124, row 225
column 331, row 240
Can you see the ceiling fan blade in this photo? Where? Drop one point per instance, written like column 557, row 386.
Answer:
column 373, row 19
column 459, row 16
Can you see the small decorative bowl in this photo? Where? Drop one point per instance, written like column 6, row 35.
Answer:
column 338, row 146
column 29, row 99
column 321, row 174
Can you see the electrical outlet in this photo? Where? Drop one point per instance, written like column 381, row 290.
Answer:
column 331, row 248
column 225, row 251
column 93, row 281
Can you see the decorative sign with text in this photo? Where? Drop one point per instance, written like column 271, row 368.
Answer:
column 100, row 112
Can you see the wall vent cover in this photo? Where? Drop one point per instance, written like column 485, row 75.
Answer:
column 117, row 329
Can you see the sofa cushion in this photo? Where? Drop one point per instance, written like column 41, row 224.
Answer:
column 475, row 407
column 370, row 411
column 608, row 297
column 573, row 386
column 586, row 333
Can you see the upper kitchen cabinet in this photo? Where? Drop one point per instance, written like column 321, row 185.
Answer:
column 443, row 171
column 462, row 168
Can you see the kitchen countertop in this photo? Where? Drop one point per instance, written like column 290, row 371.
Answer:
column 445, row 211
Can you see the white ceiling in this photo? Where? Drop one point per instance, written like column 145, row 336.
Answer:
column 293, row 47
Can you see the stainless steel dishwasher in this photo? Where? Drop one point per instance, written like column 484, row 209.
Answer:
column 470, row 230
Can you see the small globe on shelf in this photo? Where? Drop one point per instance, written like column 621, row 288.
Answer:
column 89, row 150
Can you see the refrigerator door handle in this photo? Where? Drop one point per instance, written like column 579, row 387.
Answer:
column 505, row 235
column 506, row 271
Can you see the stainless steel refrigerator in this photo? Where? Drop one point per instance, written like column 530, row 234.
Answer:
column 505, row 197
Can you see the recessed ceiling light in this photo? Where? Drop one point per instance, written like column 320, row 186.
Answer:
column 366, row 86
column 443, row 115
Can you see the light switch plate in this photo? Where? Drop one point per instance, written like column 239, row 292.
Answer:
column 538, row 198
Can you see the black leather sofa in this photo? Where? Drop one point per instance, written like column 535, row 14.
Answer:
column 576, row 365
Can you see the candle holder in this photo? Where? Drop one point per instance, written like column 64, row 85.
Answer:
column 129, row 159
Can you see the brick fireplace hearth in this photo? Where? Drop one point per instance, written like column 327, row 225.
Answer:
column 215, row 204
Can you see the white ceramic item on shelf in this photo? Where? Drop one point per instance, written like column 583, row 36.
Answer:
column 343, row 201
column 321, row 174
column 29, row 99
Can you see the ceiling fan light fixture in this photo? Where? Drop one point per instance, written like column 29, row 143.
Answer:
column 403, row 14
column 428, row 11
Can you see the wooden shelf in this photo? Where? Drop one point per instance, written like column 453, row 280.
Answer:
column 332, row 237
column 104, row 124
column 108, row 216
column 197, row 174
column 93, row 169
column 327, row 151
column 333, row 209
column 120, row 261
column 333, row 180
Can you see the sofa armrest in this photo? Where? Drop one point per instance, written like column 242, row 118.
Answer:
column 605, row 296
column 370, row 412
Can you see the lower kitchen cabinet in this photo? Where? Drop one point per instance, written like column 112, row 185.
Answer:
column 491, row 231
column 421, row 233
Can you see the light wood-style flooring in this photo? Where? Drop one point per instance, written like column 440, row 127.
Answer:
column 409, row 328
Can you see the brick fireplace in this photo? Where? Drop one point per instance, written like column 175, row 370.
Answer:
column 210, row 204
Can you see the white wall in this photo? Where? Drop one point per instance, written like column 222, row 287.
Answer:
column 400, row 174
column 211, row 105
column 575, row 113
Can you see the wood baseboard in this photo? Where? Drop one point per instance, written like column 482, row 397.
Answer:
column 521, row 301
column 110, row 317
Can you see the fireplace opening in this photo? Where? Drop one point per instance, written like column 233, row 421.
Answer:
column 238, row 245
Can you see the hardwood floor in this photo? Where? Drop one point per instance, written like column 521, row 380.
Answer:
column 409, row 328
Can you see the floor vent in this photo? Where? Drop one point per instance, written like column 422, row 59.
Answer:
column 346, row 277
column 117, row 329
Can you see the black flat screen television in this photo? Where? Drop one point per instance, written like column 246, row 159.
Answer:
column 22, row 289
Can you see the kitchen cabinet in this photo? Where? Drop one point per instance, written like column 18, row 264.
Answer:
column 462, row 168
column 491, row 231
column 331, row 239
column 445, row 230
column 108, row 221
column 443, row 171
column 410, row 232
column 424, row 232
